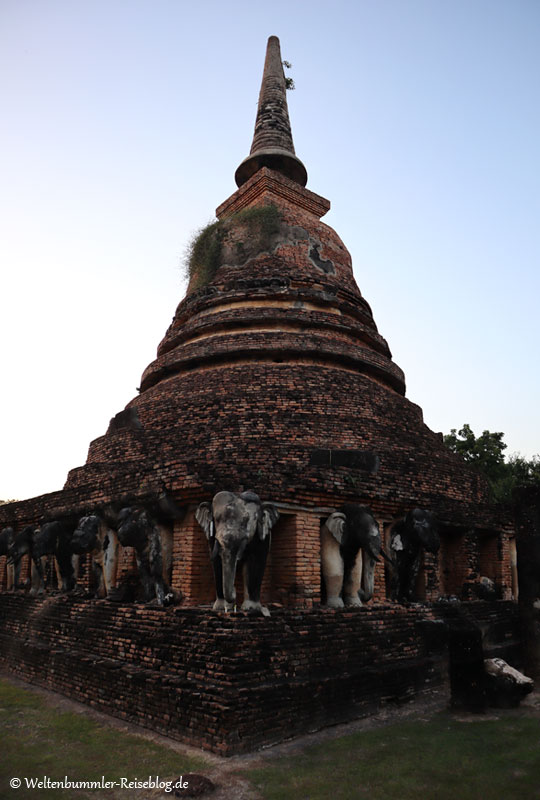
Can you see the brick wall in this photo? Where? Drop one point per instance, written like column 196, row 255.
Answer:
column 231, row 683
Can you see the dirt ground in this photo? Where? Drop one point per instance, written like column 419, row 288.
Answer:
column 224, row 772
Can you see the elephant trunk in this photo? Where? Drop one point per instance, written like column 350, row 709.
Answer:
column 430, row 541
column 229, row 562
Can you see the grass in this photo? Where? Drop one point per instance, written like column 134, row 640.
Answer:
column 439, row 758
column 204, row 252
column 38, row 740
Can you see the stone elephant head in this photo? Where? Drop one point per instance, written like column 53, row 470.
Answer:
column 237, row 527
column 415, row 532
column 350, row 546
column 420, row 528
column 7, row 537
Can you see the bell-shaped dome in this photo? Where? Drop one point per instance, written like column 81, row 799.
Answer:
column 272, row 375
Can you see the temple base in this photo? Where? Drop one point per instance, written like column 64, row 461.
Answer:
column 233, row 683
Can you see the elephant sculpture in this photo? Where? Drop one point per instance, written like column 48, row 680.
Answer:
column 350, row 546
column 137, row 528
column 21, row 546
column 238, row 527
column 52, row 538
column 7, row 537
column 93, row 535
column 410, row 536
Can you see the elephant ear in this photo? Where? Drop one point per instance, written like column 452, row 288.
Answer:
column 336, row 525
column 204, row 517
column 269, row 517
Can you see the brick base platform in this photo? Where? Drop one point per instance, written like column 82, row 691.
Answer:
column 231, row 684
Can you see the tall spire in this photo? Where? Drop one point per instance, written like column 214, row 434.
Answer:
column 272, row 141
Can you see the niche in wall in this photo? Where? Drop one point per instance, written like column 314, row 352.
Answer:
column 453, row 567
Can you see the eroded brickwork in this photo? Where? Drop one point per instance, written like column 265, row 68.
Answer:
column 273, row 356
column 232, row 683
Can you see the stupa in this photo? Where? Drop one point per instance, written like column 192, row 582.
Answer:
column 271, row 377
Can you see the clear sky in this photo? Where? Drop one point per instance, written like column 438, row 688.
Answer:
column 123, row 122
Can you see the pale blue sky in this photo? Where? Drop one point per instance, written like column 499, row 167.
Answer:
column 122, row 126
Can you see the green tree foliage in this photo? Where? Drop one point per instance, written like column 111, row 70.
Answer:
column 485, row 453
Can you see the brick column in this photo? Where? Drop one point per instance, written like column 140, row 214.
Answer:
column 432, row 574
column 191, row 570
column 127, row 563
column 3, row 573
column 504, row 567
column 26, row 570
column 294, row 574
column 379, row 588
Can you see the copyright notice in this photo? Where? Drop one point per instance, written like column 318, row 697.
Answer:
column 122, row 783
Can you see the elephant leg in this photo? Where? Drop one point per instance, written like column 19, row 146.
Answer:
column 37, row 575
column 58, row 573
column 10, row 577
column 368, row 578
column 74, row 569
column 412, row 576
column 352, row 578
column 400, row 582
column 64, row 572
column 166, row 539
column 16, row 573
column 98, row 567
column 254, row 566
column 96, row 580
column 229, row 566
column 332, row 569
column 143, row 566
column 110, row 563
column 407, row 565
column 156, row 566
column 219, row 603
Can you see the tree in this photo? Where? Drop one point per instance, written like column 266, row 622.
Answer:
column 289, row 83
column 485, row 452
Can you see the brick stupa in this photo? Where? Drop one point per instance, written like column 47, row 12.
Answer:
column 273, row 377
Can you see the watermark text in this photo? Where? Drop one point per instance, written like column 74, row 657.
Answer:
column 45, row 782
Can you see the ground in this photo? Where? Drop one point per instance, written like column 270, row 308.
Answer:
column 228, row 774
